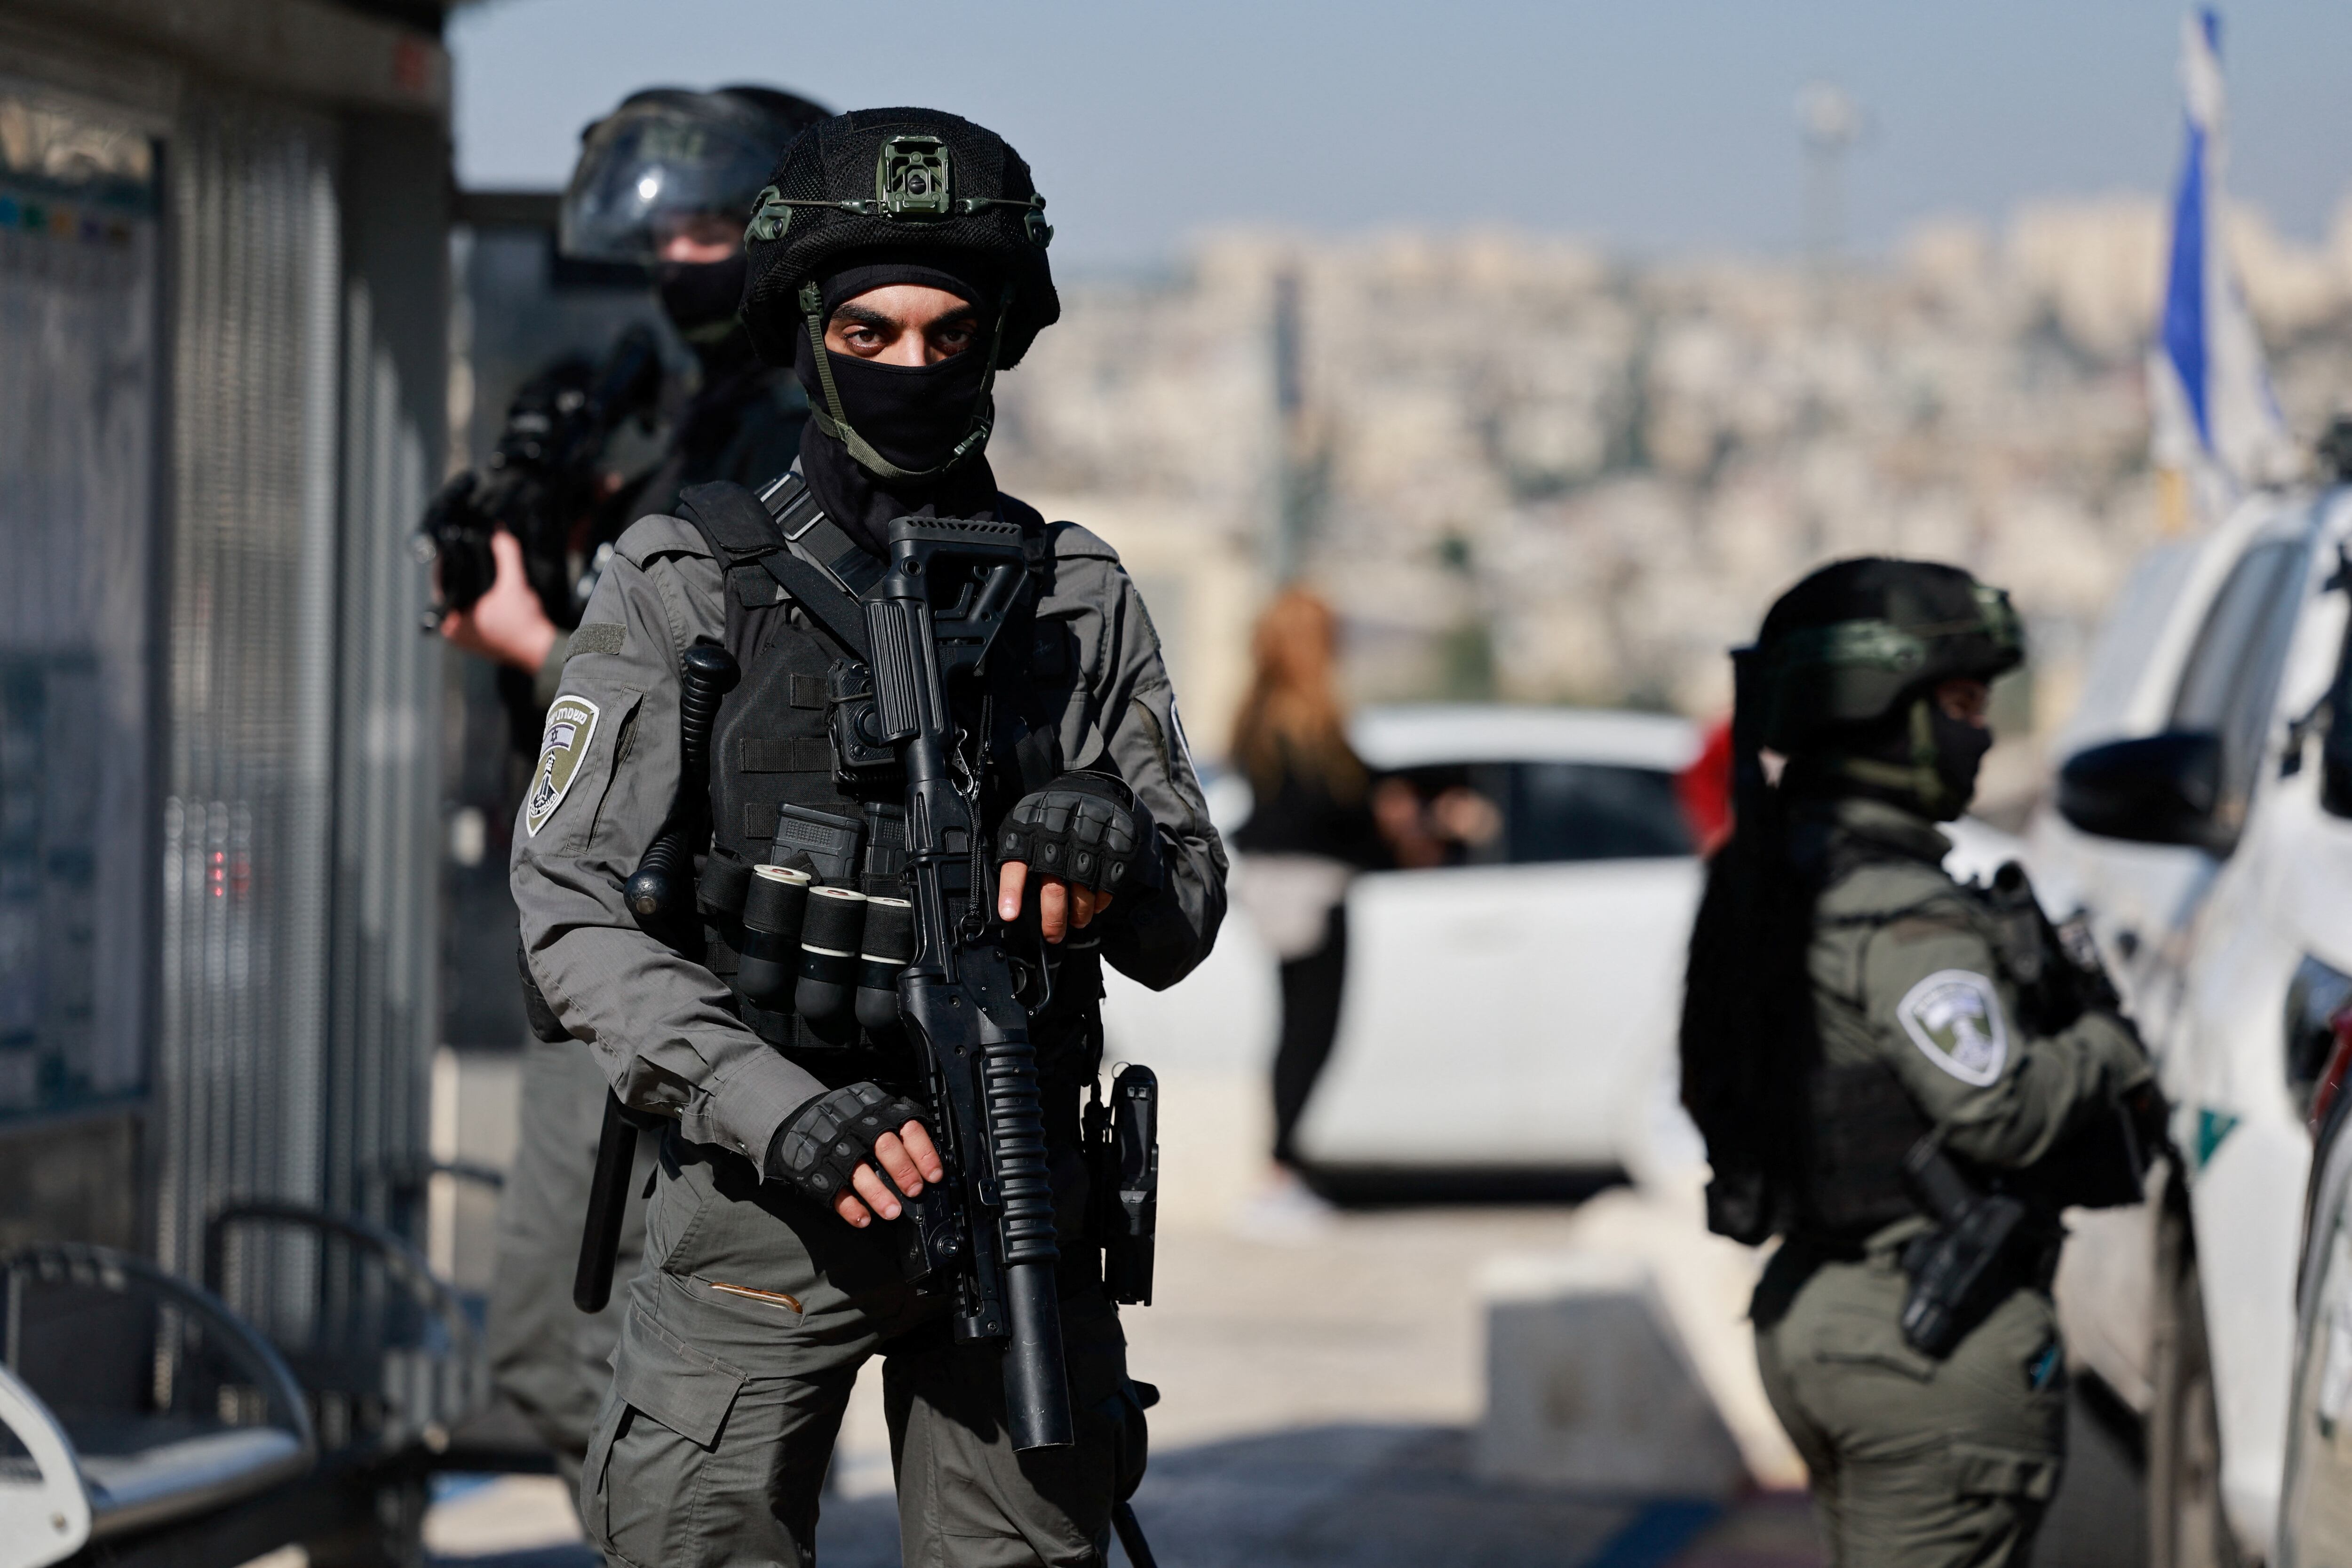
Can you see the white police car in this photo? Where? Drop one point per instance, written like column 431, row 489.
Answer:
column 2193, row 818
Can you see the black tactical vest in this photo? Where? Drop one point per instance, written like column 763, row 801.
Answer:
column 785, row 789
column 1863, row 1121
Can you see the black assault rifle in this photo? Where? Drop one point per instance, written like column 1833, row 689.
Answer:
column 541, row 478
column 986, row 1231
column 989, row 1227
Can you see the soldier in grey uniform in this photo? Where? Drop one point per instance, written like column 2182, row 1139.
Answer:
column 897, row 258
column 1901, row 1077
column 662, row 182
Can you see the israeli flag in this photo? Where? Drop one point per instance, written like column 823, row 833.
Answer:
column 2216, row 421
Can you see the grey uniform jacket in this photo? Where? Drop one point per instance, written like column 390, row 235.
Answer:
column 660, row 1024
column 1906, row 972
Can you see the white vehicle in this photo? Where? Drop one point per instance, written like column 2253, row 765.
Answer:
column 2189, row 821
column 1543, row 970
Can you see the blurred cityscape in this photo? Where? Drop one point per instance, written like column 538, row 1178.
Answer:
column 1525, row 468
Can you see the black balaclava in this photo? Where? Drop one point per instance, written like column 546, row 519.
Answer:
column 1961, row 748
column 1918, row 758
column 701, row 298
column 913, row 415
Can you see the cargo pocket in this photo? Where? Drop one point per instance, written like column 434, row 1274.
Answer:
column 665, row 1378
column 1985, row 1470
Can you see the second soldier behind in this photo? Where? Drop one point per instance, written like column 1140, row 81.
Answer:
column 899, row 260
column 663, row 181
column 1904, row 1078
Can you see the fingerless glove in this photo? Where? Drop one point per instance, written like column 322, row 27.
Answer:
column 821, row 1146
column 1084, row 828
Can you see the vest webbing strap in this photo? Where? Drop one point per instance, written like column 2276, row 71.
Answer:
column 784, row 754
column 816, row 537
column 742, row 531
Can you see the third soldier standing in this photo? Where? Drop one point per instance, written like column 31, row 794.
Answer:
column 1904, row 1078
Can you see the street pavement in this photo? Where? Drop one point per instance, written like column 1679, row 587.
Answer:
column 1320, row 1386
column 1319, row 1394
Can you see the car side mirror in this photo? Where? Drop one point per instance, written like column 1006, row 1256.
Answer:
column 2156, row 789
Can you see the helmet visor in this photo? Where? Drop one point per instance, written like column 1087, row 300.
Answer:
column 649, row 172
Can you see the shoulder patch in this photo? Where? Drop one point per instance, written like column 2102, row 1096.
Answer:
column 1954, row 1017
column 570, row 725
column 598, row 637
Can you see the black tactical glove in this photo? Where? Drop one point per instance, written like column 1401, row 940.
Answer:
column 1084, row 828
column 821, row 1146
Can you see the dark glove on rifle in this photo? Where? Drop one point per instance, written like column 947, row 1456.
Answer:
column 1084, row 828
column 821, row 1146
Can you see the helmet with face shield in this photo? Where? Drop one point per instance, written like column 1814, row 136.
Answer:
column 669, row 163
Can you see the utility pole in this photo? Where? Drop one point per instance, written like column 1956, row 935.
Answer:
column 1294, row 464
column 1830, row 121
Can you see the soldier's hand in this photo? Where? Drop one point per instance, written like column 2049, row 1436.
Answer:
column 507, row 624
column 910, row 1159
column 830, row 1147
column 1080, row 838
column 1061, row 906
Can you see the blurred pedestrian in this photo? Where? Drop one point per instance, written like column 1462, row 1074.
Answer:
column 1316, row 820
column 1903, row 1078
column 665, row 182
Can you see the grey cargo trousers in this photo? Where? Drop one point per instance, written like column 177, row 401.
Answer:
column 746, row 1329
column 546, row 1356
column 1915, row 1462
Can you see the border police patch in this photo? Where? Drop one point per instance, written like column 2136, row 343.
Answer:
column 570, row 725
column 1954, row 1017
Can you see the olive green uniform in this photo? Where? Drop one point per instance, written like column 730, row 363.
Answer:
column 1918, row 1462
column 755, row 1307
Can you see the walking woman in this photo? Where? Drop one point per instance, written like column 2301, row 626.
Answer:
column 1901, row 1077
column 1311, row 829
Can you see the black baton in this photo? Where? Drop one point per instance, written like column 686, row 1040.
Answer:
column 1131, row 1534
column 608, row 1203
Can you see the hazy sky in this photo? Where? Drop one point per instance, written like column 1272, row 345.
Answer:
column 1654, row 125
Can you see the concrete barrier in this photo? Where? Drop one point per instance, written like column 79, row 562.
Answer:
column 1589, row 1385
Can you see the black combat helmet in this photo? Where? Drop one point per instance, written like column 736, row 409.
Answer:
column 667, row 154
column 1851, row 643
column 895, row 186
column 897, row 181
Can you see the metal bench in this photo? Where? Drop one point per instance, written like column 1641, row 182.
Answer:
column 304, row 1393
column 133, row 1401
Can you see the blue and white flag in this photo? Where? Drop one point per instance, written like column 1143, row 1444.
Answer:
column 2216, row 421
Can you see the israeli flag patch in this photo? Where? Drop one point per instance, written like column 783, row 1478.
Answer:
column 571, row 725
column 1954, row 1017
